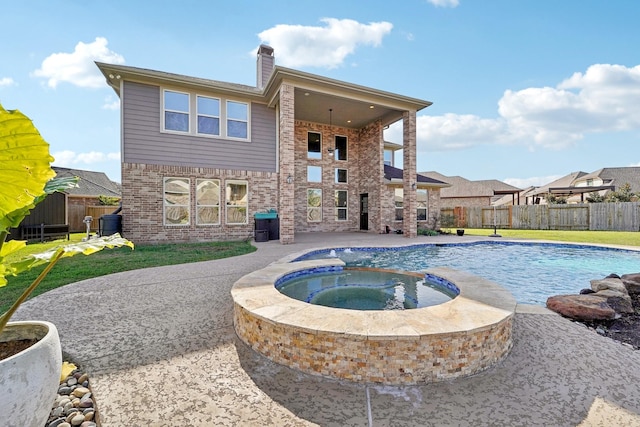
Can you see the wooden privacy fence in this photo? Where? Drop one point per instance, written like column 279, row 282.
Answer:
column 96, row 212
column 582, row 216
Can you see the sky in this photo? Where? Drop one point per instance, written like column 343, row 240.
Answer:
column 523, row 91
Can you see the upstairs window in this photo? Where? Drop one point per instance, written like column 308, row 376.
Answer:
column 237, row 120
column 314, row 145
column 341, row 176
column 200, row 115
column 208, row 115
column 340, row 152
column 176, row 111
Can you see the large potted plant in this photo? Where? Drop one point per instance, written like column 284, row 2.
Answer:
column 30, row 352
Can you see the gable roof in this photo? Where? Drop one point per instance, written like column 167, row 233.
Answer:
column 565, row 181
column 392, row 173
column 617, row 177
column 462, row 187
column 353, row 105
column 90, row 183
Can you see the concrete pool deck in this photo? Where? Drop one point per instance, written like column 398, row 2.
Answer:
column 160, row 349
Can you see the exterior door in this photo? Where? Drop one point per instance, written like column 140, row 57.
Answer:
column 364, row 211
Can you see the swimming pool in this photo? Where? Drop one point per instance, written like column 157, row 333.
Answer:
column 532, row 272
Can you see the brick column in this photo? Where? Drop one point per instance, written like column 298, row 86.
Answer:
column 286, row 198
column 409, row 224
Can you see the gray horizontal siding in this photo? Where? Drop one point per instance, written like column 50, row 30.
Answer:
column 144, row 143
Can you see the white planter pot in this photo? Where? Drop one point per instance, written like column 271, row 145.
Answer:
column 29, row 380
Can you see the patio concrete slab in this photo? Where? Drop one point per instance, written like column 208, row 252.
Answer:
column 160, row 349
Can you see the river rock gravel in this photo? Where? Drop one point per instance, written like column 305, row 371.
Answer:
column 75, row 405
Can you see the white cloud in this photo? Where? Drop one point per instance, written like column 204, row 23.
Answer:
column 111, row 104
column 444, row 3
column 328, row 46
column 68, row 158
column 78, row 67
column 7, row 81
column 535, row 181
column 603, row 99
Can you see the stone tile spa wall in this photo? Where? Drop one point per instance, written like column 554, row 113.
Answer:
column 458, row 338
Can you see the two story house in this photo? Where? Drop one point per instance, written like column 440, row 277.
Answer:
column 201, row 157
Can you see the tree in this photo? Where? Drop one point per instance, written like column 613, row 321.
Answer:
column 552, row 199
column 595, row 197
column 624, row 194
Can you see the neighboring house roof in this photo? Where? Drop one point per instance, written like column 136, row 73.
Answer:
column 90, row 183
column 391, row 173
column 615, row 176
column 565, row 181
column 462, row 187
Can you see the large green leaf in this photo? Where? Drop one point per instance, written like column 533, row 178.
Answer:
column 25, row 170
column 87, row 248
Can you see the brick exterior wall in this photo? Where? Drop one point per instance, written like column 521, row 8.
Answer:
column 389, row 215
column 409, row 167
column 286, row 136
column 371, row 180
column 328, row 184
column 142, row 192
column 142, row 203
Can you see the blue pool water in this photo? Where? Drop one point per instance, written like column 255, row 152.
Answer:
column 361, row 289
column 532, row 272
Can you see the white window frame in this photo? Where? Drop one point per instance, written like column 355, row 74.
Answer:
column 346, row 148
column 344, row 208
column 233, row 204
column 167, row 204
column 193, row 115
column 317, row 155
column 198, row 115
column 227, row 119
column 314, row 213
column 346, row 173
column 165, row 110
column 202, row 206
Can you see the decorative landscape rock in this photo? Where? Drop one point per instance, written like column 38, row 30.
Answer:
column 582, row 307
column 610, row 283
column 632, row 282
column 74, row 405
column 608, row 299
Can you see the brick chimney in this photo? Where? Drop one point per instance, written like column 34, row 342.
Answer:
column 266, row 63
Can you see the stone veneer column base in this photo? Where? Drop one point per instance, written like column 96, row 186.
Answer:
column 459, row 338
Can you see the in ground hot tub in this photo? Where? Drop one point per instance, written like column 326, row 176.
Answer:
column 459, row 337
column 366, row 288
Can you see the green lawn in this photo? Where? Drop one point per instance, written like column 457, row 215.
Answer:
column 627, row 238
column 80, row 267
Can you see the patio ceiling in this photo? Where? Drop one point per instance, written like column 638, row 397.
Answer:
column 314, row 107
